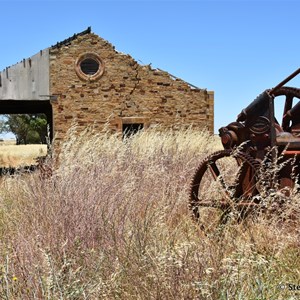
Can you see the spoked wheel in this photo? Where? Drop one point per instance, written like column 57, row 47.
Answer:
column 224, row 182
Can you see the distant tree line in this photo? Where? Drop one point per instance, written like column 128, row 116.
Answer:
column 27, row 128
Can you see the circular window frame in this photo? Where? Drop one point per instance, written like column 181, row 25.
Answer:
column 87, row 77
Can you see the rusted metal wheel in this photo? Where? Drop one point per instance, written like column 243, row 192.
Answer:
column 224, row 182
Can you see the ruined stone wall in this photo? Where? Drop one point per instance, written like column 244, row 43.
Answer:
column 125, row 92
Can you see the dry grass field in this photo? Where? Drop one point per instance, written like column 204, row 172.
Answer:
column 12, row 155
column 113, row 223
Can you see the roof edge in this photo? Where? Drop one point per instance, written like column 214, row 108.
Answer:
column 70, row 39
column 175, row 77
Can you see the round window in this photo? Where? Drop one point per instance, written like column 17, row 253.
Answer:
column 89, row 66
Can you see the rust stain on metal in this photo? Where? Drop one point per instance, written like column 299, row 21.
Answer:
column 255, row 142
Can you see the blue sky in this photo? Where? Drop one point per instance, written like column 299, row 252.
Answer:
column 235, row 48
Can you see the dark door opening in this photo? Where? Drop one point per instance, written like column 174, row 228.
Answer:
column 21, row 109
column 29, row 107
column 131, row 129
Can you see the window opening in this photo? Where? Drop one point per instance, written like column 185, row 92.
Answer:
column 89, row 66
column 131, row 129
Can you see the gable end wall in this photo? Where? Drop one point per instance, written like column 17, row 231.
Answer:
column 125, row 90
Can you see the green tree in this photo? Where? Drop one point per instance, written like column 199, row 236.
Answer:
column 28, row 128
column 38, row 124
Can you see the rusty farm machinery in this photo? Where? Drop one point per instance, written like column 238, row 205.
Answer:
column 260, row 160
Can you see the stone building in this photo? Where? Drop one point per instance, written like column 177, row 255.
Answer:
column 84, row 80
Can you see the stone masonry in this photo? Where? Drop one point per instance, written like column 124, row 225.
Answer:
column 126, row 92
column 84, row 81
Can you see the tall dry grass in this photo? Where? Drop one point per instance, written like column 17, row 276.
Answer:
column 12, row 155
column 113, row 223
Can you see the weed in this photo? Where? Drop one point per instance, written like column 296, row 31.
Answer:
column 113, row 223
